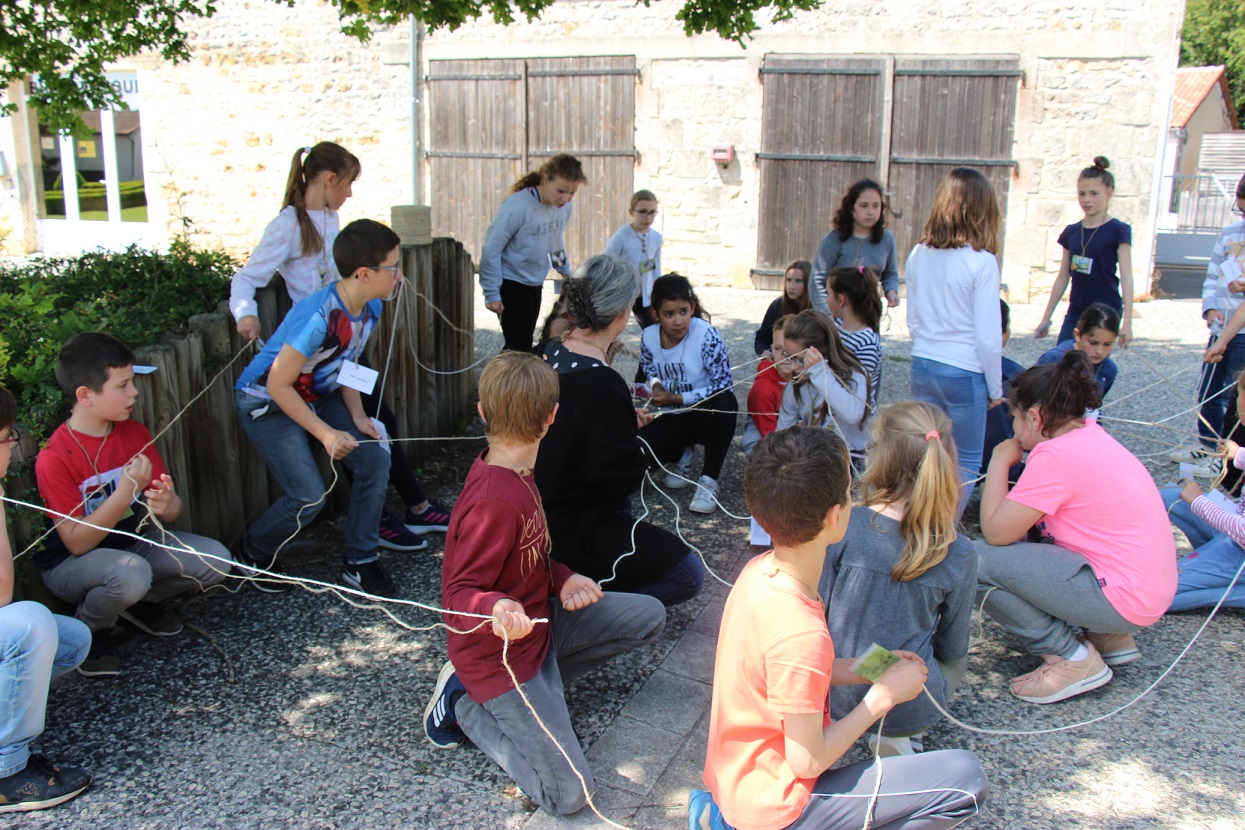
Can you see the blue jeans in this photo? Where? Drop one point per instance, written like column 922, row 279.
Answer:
column 963, row 396
column 683, row 581
column 1207, row 572
column 284, row 445
column 1216, row 376
column 35, row 646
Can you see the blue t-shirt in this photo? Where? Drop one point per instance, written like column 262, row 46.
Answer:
column 999, row 419
column 321, row 329
column 1104, row 372
column 1095, row 262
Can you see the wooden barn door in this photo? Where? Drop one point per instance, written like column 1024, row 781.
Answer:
column 492, row 120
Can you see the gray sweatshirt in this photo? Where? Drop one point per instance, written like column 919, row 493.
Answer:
column 846, row 405
column 834, row 253
column 523, row 243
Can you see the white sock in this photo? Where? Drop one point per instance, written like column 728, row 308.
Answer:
column 1082, row 652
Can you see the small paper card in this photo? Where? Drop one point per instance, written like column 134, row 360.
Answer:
column 1187, row 470
column 140, row 369
column 353, row 376
column 874, row 662
column 384, row 434
column 1231, row 269
column 757, row 535
column 1221, row 500
column 557, row 259
column 1082, row 263
column 647, row 265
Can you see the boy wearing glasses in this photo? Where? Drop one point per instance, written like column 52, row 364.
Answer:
column 309, row 379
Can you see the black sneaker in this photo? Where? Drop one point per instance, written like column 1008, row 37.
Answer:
column 153, row 618
column 396, row 536
column 101, row 660
column 370, row 578
column 244, row 564
column 40, row 785
column 432, row 519
column 440, row 721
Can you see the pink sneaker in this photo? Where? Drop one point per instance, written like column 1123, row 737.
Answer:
column 1061, row 679
column 1116, row 649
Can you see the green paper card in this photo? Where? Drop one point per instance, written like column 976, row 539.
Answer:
column 874, row 662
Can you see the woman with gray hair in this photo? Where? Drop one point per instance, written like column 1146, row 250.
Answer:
column 591, row 460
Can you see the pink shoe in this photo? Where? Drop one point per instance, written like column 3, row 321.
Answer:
column 1061, row 679
column 1116, row 649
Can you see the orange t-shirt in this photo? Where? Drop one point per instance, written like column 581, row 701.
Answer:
column 774, row 656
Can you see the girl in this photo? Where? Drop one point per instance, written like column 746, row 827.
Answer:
column 953, row 312
column 591, row 461
column 832, row 384
column 640, row 245
column 1093, row 250
column 1095, row 335
column 299, row 242
column 1106, row 576
column 524, row 241
column 859, row 237
column 856, row 307
column 903, row 555
column 686, row 361
column 793, row 300
column 1217, row 536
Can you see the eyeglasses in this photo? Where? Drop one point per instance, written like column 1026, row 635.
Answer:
column 646, row 213
column 396, row 268
column 14, row 437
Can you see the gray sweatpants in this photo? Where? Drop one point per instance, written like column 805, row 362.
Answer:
column 505, row 730
column 1043, row 594
column 930, row 791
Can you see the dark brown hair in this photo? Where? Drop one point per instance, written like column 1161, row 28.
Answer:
column 860, row 285
column 793, row 477
column 843, row 221
column 1098, row 170
column 85, row 359
column 1062, row 392
column 8, row 409
column 561, row 166
column 965, row 212
column 787, row 306
column 814, row 328
column 325, row 157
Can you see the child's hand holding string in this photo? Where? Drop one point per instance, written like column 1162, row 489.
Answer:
column 338, row 444
column 579, row 592
column 1190, row 491
column 1229, row 448
column 510, row 621
column 137, row 474
column 1214, row 352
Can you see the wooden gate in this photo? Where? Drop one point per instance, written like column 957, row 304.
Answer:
column 492, row 120
column 902, row 121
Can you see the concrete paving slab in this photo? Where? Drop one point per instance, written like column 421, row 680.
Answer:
column 632, row 755
column 693, row 657
column 670, row 701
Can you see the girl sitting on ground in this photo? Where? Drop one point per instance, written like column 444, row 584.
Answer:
column 793, row 300
column 1095, row 334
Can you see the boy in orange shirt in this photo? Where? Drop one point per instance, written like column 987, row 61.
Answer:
column 771, row 740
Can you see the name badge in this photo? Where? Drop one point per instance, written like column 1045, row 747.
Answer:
column 557, row 259
column 1082, row 263
column 384, row 435
column 1231, row 270
column 354, row 376
column 647, row 265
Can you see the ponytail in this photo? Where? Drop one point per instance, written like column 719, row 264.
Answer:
column 561, row 166
column 913, row 457
column 325, row 157
column 1062, row 392
column 860, row 285
column 813, row 328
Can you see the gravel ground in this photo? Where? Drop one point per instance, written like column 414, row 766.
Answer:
column 299, row 711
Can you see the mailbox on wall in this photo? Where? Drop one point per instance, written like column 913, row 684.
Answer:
column 723, row 154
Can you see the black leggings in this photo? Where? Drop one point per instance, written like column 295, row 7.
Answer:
column 401, row 476
column 521, row 304
column 711, row 423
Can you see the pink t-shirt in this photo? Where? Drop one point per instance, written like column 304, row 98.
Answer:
column 1100, row 502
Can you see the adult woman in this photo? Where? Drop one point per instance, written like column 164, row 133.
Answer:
column 591, row 460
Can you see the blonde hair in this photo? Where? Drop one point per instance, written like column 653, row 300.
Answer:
column 518, row 392
column 965, row 212
column 905, row 464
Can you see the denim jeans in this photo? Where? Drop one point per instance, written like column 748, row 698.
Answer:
column 1216, row 376
column 35, row 646
column 963, row 396
column 1207, row 572
column 680, row 584
column 284, row 445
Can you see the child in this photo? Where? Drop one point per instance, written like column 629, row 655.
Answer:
column 497, row 563
column 900, row 577
column 831, row 383
column 307, row 380
column 765, row 396
column 860, row 237
column 101, row 466
column 1094, row 249
column 524, row 241
column 1108, row 576
column 793, row 300
column 640, row 245
column 686, row 361
column 856, row 308
column 1095, row 335
column 35, row 645
column 1217, row 536
column 953, row 312
column 772, row 742
column 999, row 419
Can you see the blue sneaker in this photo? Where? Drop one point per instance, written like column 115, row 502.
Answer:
column 396, row 536
column 703, row 812
column 440, row 722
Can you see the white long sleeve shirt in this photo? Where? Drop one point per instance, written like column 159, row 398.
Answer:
column 280, row 249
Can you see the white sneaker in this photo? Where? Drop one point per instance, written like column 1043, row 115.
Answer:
column 891, row 747
column 1197, row 455
column 705, row 500
column 678, row 477
column 1209, row 468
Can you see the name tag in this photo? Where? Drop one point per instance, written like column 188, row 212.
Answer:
column 1231, row 270
column 354, row 376
column 647, row 265
column 384, row 434
column 1082, row 264
column 557, row 260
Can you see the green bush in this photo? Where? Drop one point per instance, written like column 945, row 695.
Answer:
column 136, row 295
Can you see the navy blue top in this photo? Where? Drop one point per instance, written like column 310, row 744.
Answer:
column 1104, row 372
column 1100, row 245
column 999, row 419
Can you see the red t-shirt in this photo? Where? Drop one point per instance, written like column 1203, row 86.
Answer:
column 76, row 477
column 497, row 547
column 765, row 398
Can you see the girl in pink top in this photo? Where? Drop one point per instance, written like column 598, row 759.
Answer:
column 1111, row 569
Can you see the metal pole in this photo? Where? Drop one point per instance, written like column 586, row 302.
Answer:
column 417, row 112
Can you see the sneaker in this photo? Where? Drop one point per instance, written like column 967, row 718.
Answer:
column 1116, row 649
column 102, row 659
column 396, row 536
column 40, row 785
column 1209, row 468
column 706, row 498
column 440, row 722
column 1196, row 455
column 703, row 812
column 892, row 747
column 153, row 618
column 242, row 559
column 678, row 477
column 435, row 518
column 1058, row 679
column 370, row 578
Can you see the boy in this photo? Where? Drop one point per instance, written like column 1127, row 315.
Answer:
column 771, row 740
column 103, row 467
column 497, row 564
column 35, row 644
column 765, row 396
column 307, row 379
column 999, row 419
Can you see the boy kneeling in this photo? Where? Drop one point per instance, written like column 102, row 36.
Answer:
column 497, row 564
column 771, row 740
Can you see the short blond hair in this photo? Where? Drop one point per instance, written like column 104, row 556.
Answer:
column 518, row 392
